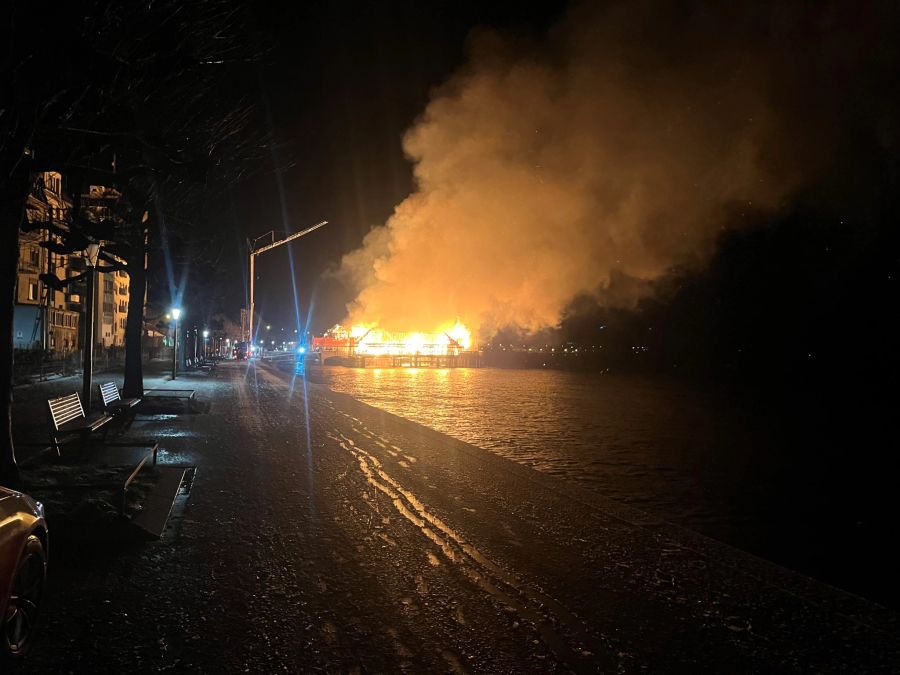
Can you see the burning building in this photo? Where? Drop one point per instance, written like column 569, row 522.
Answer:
column 369, row 345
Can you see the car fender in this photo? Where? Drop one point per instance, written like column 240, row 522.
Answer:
column 20, row 517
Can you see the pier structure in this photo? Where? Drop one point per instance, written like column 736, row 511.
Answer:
column 470, row 359
column 394, row 350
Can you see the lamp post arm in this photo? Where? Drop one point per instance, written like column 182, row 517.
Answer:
column 269, row 247
column 274, row 244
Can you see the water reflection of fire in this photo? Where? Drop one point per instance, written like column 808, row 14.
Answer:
column 449, row 339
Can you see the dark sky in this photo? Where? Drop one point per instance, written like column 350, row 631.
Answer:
column 342, row 82
column 802, row 286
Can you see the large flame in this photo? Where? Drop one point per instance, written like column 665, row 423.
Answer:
column 369, row 339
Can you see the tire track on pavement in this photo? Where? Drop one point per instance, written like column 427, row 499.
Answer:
column 562, row 631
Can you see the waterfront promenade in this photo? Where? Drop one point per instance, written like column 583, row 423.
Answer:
column 324, row 534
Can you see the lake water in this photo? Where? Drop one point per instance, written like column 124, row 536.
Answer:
column 758, row 477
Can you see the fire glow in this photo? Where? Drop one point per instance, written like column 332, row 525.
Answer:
column 369, row 340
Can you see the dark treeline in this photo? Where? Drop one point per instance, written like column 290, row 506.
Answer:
column 156, row 101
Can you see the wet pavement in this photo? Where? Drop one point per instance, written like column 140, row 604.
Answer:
column 323, row 534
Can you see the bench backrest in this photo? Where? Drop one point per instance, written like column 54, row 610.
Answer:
column 109, row 392
column 65, row 409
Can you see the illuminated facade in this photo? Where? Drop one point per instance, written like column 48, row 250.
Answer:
column 44, row 318
column 51, row 320
column 111, row 290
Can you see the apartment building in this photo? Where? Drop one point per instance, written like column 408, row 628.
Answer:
column 45, row 319
column 111, row 291
column 51, row 320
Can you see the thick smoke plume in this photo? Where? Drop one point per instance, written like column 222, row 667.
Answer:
column 594, row 163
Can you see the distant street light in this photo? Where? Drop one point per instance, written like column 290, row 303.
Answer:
column 205, row 342
column 176, row 312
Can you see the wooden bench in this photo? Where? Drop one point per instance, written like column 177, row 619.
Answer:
column 68, row 419
column 113, row 403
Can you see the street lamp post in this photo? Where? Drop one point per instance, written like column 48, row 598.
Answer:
column 262, row 249
column 205, row 340
column 90, row 255
column 176, row 312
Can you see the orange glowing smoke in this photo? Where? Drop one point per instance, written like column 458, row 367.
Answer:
column 592, row 166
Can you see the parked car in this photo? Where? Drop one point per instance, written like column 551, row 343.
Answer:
column 23, row 569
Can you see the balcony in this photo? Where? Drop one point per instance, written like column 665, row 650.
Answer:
column 29, row 267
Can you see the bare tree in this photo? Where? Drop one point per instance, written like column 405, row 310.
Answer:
column 155, row 99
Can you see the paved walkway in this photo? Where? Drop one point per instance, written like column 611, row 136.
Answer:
column 323, row 534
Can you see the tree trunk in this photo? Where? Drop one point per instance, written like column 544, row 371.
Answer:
column 15, row 180
column 184, row 348
column 134, row 323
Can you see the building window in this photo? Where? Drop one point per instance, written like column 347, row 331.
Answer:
column 53, row 184
column 32, row 291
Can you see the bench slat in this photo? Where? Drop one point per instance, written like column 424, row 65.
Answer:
column 70, row 405
column 68, row 408
column 65, row 401
column 65, row 409
column 110, row 392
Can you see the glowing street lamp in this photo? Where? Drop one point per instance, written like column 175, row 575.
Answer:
column 176, row 313
column 205, row 340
